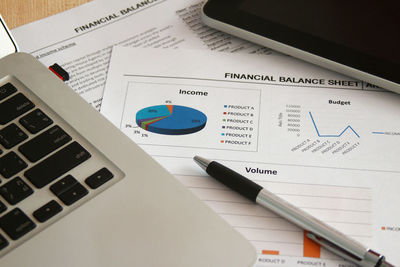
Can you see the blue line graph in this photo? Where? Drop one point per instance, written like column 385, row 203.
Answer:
column 332, row 135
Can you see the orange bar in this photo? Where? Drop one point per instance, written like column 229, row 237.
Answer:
column 270, row 252
column 310, row 248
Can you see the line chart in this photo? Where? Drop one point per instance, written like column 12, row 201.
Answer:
column 332, row 135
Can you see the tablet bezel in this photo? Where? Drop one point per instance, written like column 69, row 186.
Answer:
column 229, row 13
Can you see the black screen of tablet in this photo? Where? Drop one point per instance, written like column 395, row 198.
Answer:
column 364, row 35
column 369, row 26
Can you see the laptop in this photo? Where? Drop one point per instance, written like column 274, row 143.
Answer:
column 75, row 191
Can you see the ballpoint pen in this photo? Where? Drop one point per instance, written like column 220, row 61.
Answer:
column 319, row 232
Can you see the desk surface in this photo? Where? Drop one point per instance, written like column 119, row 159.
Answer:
column 17, row 13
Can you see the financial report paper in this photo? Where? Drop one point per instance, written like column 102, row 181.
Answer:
column 80, row 39
column 307, row 134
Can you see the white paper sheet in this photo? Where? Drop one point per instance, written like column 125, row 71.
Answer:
column 80, row 39
column 305, row 133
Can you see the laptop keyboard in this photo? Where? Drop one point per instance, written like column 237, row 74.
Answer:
column 46, row 168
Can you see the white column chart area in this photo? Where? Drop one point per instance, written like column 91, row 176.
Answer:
column 278, row 242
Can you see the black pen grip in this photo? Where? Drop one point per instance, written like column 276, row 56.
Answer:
column 234, row 180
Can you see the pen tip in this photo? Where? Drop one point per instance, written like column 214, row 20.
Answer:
column 203, row 163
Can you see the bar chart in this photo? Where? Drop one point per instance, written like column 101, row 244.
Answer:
column 347, row 209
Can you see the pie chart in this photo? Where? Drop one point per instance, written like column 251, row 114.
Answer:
column 171, row 119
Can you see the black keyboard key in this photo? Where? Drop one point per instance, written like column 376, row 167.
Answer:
column 99, row 178
column 11, row 164
column 15, row 191
column 68, row 190
column 3, row 242
column 47, row 211
column 35, row 121
column 63, row 185
column 57, row 164
column 11, row 136
column 44, row 144
column 73, row 194
column 16, row 224
column 3, row 207
column 7, row 90
column 14, row 107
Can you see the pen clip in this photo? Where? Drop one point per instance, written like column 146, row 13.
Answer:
column 333, row 248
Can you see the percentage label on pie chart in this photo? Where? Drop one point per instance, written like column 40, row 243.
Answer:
column 171, row 119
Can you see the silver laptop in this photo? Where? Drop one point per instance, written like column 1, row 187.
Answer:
column 75, row 191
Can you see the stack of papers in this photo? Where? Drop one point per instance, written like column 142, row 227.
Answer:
column 324, row 142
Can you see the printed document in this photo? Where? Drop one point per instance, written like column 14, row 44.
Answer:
column 307, row 134
column 80, row 39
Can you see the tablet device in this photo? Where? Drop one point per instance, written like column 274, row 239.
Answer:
column 357, row 38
